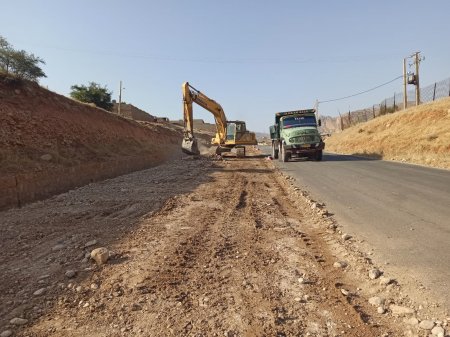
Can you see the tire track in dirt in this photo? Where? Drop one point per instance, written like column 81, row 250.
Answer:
column 234, row 257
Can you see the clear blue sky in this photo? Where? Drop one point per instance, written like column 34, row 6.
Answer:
column 254, row 57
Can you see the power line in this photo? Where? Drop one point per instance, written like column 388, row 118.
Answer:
column 362, row 92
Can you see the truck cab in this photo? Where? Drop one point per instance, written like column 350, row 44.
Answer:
column 296, row 134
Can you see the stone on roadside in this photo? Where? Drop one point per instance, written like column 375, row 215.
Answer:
column 346, row 237
column 39, row 292
column 58, row 247
column 90, row 243
column 374, row 273
column 340, row 264
column 136, row 307
column 381, row 310
column 100, row 255
column 345, row 292
column 70, row 273
column 384, row 281
column 401, row 311
column 438, row 331
column 426, row 324
column 46, row 157
column 18, row 321
column 6, row 333
column 412, row 321
column 376, row 301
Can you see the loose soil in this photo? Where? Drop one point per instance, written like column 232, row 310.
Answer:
column 199, row 247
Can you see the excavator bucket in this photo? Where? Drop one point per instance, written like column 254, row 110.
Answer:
column 189, row 146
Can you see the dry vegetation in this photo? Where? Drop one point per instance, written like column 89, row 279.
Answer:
column 419, row 135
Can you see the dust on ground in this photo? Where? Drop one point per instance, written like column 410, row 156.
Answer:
column 198, row 248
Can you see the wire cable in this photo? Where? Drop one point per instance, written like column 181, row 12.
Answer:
column 360, row 93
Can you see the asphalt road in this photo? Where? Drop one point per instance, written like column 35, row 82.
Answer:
column 401, row 210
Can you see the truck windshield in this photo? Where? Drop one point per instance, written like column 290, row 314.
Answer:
column 295, row 121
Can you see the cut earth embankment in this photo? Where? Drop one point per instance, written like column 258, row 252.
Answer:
column 50, row 143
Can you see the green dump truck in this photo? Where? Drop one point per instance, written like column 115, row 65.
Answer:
column 295, row 134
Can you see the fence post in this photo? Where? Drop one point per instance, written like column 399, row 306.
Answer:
column 434, row 91
column 394, row 103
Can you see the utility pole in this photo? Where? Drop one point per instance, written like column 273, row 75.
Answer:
column 316, row 107
column 417, row 61
column 120, row 98
column 341, row 121
column 405, row 94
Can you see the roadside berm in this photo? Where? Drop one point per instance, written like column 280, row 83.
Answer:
column 195, row 247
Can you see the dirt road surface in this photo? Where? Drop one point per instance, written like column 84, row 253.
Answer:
column 197, row 248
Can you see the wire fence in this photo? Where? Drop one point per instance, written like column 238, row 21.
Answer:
column 429, row 93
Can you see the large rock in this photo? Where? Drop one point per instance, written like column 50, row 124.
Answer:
column 6, row 333
column 100, row 255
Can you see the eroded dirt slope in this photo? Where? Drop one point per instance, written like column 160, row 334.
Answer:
column 199, row 248
column 41, row 130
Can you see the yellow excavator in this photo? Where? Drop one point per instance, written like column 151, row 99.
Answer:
column 229, row 134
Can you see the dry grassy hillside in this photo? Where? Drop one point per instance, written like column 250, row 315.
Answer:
column 418, row 135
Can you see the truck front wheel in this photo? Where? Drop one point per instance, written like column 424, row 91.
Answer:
column 284, row 154
column 318, row 156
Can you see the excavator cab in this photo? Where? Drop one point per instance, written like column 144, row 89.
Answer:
column 235, row 130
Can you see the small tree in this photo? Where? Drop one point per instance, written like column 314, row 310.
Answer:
column 6, row 54
column 25, row 65
column 19, row 62
column 94, row 93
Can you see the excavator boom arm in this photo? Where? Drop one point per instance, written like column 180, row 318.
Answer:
column 190, row 95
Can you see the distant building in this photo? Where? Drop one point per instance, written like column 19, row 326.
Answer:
column 162, row 119
column 130, row 111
